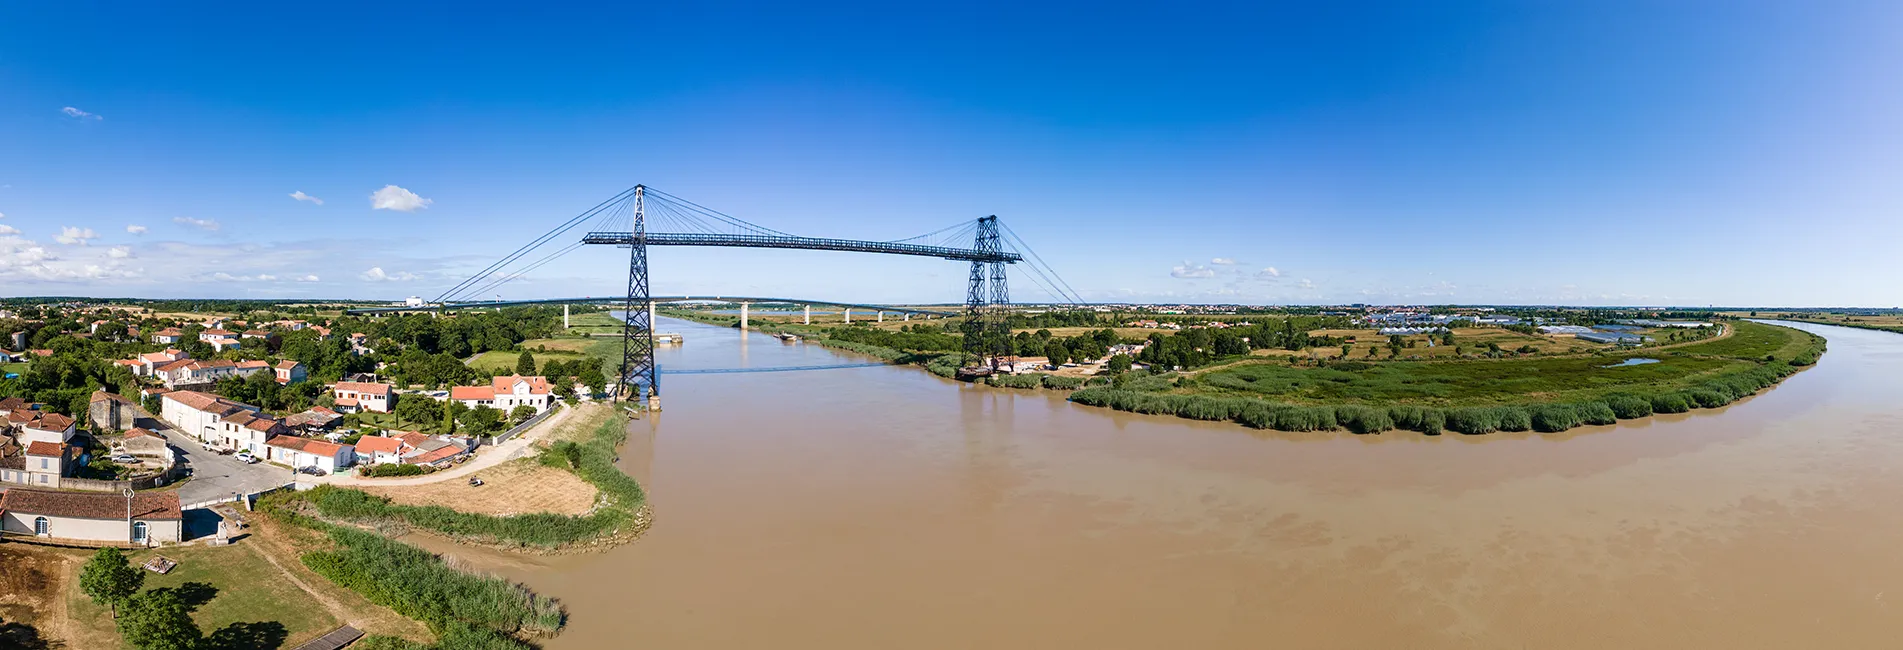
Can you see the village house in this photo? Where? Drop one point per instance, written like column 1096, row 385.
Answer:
column 39, row 463
column 306, row 452
column 151, row 360
column 168, row 336
column 140, row 442
column 42, row 426
column 255, row 334
column 380, row 450
column 506, row 393
column 97, row 517
column 290, row 372
column 220, row 422
column 412, row 448
column 354, row 396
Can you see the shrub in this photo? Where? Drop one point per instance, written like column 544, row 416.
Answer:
column 1708, row 398
column 1473, row 420
column 1514, row 418
column 393, row 469
column 1063, row 383
column 1016, row 381
column 1417, row 418
column 1671, row 403
column 1552, row 418
column 1596, row 413
column 419, row 585
column 1303, row 418
column 1363, row 419
column 1627, row 407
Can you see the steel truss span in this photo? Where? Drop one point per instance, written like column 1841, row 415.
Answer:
column 804, row 243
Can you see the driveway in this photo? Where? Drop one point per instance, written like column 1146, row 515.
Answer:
column 218, row 477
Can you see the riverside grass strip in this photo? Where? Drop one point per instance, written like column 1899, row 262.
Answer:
column 615, row 516
column 1550, row 395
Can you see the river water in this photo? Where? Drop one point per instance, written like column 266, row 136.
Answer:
column 887, row 508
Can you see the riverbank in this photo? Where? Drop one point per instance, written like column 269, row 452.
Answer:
column 586, row 449
column 1475, row 396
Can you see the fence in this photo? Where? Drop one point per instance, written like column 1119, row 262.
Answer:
column 525, row 425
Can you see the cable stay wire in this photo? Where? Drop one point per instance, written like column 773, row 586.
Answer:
column 557, row 231
column 1038, row 260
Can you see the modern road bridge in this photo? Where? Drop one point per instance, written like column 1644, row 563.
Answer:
column 640, row 217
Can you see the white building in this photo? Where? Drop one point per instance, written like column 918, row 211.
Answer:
column 353, row 396
column 307, row 452
column 219, row 422
column 506, row 393
column 99, row 517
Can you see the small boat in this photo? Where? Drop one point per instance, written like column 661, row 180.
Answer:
column 787, row 336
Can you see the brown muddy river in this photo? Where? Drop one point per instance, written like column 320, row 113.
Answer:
column 886, row 508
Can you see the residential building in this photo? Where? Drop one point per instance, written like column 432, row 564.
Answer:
column 99, row 517
column 222, row 344
column 255, row 334
column 220, row 422
column 168, row 336
column 306, row 452
column 41, row 426
column 151, row 360
column 353, row 396
column 186, row 372
column 39, row 463
column 140, row 442
column 506, row 393
column 290, row 372
column 214, row 333
column 316, row 420
column 380, row 450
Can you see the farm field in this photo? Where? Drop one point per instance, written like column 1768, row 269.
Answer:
column 517, row 487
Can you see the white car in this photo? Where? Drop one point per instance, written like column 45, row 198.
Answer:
column 246, row 457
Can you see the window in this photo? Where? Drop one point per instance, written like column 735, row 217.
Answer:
column 45, row 463
column 41, row 527
column 138, row 532
column 42, row 478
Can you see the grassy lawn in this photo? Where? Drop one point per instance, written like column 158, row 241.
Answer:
column 235, row 589
column 1500, row 381
column 390, row 421
column 14, row 368
column 505, row 361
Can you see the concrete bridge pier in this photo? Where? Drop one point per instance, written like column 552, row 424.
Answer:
column 880, row 318
column 848, row 315
column 808, row 318
column 564, row 316
column 906, row 317
column 651, row 323
column 743, row 317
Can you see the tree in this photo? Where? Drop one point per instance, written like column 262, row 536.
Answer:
column 1447, row 337
column 1058, row 354
column 590, row 376
column 521, row 413
column 1120, row 363
column 1346, row 348
column 109, row 579
column 416, row 410
column 480, row 420
column 159, row 620
column 525, row 364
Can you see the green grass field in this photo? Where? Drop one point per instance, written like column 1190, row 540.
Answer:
column 505, row 361
column 246, row 595
column 1502, row 381
column 14, row 368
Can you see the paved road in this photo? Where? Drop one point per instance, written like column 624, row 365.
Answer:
column 215, row 476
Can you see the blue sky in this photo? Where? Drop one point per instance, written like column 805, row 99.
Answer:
column 1680, row 152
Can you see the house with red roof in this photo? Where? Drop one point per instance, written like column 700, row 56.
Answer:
column 220, row 422
column 308, row 452
column 354, row 396
column 289, row 371
column 94, row 517
column 168, row 336
column 39, row 463
column 43, row 426
column 506, row 393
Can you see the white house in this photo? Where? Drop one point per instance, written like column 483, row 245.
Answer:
column 506, row 393
column 168, row 336
column 290, row 372
column 307, row 452
column 361, row 396
column 219, row 422
column 151, row 360
column 40, row 426
column 99, row 517
column 41, row 464
column 379, row 450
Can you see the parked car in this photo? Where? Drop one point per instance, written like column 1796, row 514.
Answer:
column 125, row 459
column 246, row 458
column 312, row 470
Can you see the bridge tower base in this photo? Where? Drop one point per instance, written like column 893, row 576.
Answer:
column 640, row 380
column 987, row 304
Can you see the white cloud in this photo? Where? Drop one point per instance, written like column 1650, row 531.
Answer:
column 1268, row 273
column 71, row 236
column 3, row 215
column 1305, row 284
column 301, row 196
column 202, row 224
column 119, row 252
column 1224, row 261
column 376, row 274
column 307, row 278
column 1190, row 271
column 79, row 114
column 136, row 229
column 9, row 230
column 396, row 198
column 222, row 276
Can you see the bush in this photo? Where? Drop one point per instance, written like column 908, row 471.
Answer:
column 1363, row 419
column 1063, row 383
column 1671, row 403
column 1596, row 413
column 1627, row 407
column 419, row 585
column 1303, row 418
column 1708, row 398
column 1514, row 418
column 1016, row 381
column 1552, row 418
column 1473, row 420
column 393, row 469
column 1418, row 418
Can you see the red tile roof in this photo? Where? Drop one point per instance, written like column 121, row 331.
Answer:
column 346, row 401
column 44, row 448
column 254, row 363
column 51, row 422
column 368, row 388
column 471, row 392
column 137, row 432
column 287, row 364
column 14, row 403
column 379, row 445
column 91, row 505
column 537, row 385
column 433, row 456
column 306, row 445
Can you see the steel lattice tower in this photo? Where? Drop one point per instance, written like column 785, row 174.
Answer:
column 987, row 299
column 637, row 334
